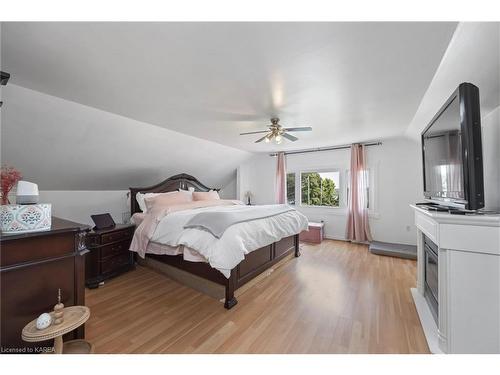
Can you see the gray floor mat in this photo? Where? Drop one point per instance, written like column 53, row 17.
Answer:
column 394, row 250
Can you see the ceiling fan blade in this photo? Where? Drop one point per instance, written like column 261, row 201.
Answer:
column 289, row 137
column 261, row 139
column 300, row 129
column 260, row 131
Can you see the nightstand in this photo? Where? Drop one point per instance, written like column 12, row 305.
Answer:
column 109, row 253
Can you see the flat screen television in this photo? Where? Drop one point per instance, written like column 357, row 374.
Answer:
column 452, row 152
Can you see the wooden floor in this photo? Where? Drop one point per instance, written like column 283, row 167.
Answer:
column 336, row 298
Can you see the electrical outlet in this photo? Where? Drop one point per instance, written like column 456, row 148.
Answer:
column 408, row 228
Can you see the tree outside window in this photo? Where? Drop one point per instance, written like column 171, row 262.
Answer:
column 320, row 188
column 290, row 188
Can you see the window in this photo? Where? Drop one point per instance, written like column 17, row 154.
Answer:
column 368, row 183
column 320, row 188
column 290, row 188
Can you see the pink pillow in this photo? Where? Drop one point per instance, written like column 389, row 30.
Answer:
column 174, row 198
column 205, row 196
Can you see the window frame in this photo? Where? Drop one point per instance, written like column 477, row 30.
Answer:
column 372, row 192
column 298, row 187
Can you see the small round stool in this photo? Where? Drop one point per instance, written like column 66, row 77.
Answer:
column 74, row 317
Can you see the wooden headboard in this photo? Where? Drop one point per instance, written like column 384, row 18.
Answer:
column 179, row 181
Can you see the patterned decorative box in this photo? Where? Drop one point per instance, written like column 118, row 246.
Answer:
column 16, row 218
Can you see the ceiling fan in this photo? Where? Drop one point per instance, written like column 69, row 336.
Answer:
column 276, row 132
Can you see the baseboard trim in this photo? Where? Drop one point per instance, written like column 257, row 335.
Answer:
column 334, row 238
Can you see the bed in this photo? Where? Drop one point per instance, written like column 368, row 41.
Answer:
column 253, row 264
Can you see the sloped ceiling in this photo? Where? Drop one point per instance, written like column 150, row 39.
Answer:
column 472, row 56
column 215, row 80
column 63, row 145
column 101, row 105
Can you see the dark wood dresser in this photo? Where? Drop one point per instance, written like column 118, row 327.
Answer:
column 33, row 266
column 109, row 253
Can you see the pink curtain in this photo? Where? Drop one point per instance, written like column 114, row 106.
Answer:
column 358, row 227
column 281, row 178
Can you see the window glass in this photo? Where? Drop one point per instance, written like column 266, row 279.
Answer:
column 367, row 172
column 320, row 188
column 290, row 188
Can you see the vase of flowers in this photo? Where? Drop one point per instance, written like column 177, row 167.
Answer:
column 9, row 178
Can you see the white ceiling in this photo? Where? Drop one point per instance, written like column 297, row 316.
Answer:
column 349, row 81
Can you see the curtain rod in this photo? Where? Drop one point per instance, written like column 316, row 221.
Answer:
column 325, row 149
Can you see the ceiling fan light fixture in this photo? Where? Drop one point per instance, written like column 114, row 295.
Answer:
column 276, row 132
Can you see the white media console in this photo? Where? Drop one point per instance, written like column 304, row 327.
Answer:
column 468, row 281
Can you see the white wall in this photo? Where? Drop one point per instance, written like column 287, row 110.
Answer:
column 257, row 176
column 399, row 183
column 491, row 159
column 79, row 205
column 397, row 179
column 229, row 191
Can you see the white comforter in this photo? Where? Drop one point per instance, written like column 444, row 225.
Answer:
column 239, row 239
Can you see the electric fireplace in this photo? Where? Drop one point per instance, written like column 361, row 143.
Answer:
column 431, row 284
